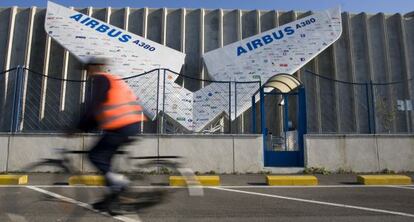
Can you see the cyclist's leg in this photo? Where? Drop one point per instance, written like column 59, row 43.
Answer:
column 101, row 156
column 122, row 136
column 102, row 153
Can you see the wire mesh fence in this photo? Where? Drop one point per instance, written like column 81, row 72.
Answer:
column 7, row 98
column 36, row 102
column 205, row 110
column 336, row 106
column 48, row 104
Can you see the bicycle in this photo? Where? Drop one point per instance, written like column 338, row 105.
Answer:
column 128, row 202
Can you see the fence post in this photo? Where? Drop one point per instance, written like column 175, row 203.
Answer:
column 158, row 96
column 368, row 107
column 285, row 117
column 263, row 124
column 163, row 105
column 17, row 100
column 369, row 89
column 262, row 112
column 254, row 113
column 373, row 107
column 230, row 108
column 235, row 107
column 302, row 126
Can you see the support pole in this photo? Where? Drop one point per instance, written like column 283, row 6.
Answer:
column 368, row 107
column 230, row 108
column 254, row 113
column 302, row 126
column 158, row 97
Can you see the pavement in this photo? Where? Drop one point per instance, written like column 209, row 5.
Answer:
column 240, row 198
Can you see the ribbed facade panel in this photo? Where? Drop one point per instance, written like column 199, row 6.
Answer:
column 377, row 48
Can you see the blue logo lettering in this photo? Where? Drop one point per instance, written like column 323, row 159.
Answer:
column 241, row 50
column 264, row 40
column 102, row 28
column 76, row 17
column 111, row 32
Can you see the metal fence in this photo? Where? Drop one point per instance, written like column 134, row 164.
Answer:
column 367, row 106
column 34, row 102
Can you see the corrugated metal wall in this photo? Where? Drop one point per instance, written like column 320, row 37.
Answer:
column 376, row 47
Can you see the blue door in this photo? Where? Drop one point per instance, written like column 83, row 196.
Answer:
column 285, row 149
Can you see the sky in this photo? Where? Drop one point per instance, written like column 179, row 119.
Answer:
column 353, row 6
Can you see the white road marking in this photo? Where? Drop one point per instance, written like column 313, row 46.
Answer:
column 404, row 187
column 16, row 217
column 311, row 186
column 317, row 202
column 223, row 186
column 81, row 204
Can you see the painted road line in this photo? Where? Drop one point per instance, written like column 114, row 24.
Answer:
column 310, row 186
column 384, row 179
column 223, row 186
column 16, row 217
column 297, row 180
column 404, row 187
column 9, row 179
column 201, row 180
column 81, row 204
column 318, row 202
column 89, row 180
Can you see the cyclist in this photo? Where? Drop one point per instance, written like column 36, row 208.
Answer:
column 114, row 109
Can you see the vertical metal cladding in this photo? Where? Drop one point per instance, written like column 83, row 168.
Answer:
column 378, row 48
column 344, row 71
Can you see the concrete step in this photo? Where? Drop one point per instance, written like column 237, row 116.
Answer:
column 284, row 170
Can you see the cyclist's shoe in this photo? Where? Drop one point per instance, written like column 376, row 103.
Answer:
column 105, row 204
column 117, row 182
column 110, row 204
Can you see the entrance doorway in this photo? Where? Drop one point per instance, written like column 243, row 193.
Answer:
column 283, row 100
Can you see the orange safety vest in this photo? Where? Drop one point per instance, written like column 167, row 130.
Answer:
column 121, row 107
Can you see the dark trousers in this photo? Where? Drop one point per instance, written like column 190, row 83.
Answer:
column 101, row 154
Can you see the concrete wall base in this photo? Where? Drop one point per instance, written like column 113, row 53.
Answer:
column 202, row 153
column 360, row 153
column 221, row 153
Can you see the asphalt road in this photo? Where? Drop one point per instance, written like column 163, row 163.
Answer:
column 239, row 199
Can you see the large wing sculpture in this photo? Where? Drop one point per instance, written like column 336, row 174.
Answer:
column 284, row 49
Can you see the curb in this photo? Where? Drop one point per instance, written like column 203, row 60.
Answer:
column 89, row 180
column 300, row 180
column 384, row 179
column 13, row 179
column 200, row 180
